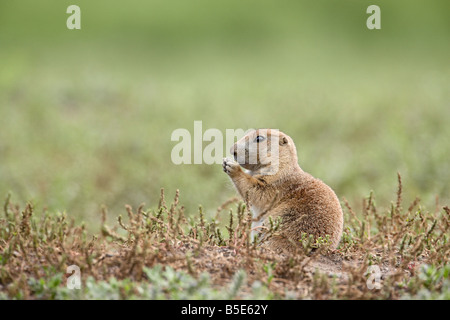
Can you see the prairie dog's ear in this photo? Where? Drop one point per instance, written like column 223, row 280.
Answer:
column 283, row 141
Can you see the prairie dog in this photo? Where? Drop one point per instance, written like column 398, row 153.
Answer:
column 275, row 185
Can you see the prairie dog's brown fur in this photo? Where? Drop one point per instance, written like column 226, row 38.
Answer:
column 282, row 189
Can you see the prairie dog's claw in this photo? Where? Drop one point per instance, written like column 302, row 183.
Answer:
column 230, row 166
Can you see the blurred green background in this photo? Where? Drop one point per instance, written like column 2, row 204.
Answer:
column 86, row 115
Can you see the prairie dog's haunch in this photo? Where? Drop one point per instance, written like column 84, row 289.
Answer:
column 275, row 184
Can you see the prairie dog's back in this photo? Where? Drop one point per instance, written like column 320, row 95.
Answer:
column 309, row 206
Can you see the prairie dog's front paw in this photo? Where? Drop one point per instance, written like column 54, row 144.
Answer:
column 230, row 166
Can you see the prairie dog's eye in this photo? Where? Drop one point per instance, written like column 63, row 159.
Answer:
column 258, row 139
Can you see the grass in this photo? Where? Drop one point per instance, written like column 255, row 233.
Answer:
column 86, row 117
column 161, row 253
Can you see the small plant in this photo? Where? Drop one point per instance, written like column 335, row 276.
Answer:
column 269, row 270
column 310, row 243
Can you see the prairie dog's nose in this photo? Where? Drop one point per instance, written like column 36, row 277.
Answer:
column 233, row 151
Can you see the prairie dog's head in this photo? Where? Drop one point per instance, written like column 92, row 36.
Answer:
column 265, row 151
